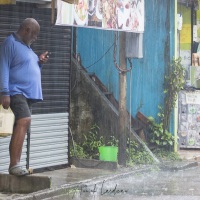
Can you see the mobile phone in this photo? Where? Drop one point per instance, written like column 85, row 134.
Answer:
column 47, row 56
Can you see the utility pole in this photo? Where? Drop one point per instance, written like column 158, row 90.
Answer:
column 122, row 157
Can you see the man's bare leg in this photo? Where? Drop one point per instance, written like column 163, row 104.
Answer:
column 17, row 140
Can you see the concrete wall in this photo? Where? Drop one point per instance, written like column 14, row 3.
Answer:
column 89, row 106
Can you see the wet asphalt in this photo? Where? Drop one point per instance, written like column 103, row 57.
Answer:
column 155, row 185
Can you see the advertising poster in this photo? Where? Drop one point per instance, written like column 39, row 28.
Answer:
column 185, row 36
column 125, row 15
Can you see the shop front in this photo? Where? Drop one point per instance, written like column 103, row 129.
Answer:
column 189, row 50
column 47, row 143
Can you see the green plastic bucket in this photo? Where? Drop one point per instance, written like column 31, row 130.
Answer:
column 108, row 153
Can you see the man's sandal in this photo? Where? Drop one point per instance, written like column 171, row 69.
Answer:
column 17, row 170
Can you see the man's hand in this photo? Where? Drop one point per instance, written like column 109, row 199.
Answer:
column 5, row 101
column 43, row 58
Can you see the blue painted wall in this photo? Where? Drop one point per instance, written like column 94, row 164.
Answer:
column 147, row 76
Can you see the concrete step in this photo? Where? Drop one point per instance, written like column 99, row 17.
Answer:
column 23, row 184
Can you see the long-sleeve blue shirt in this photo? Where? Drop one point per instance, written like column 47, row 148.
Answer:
column 20, row 71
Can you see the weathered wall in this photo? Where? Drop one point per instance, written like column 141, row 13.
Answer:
column 145, row 83
column 88, row 106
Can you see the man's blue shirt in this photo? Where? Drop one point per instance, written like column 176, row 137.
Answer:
column 20, row 71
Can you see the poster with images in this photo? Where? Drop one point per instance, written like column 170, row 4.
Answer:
column 125, row 15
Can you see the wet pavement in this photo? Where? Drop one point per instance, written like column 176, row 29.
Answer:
column 65, row 176
column 169, row 181
column 156, row 184
column 141, row 183
column 64, row 180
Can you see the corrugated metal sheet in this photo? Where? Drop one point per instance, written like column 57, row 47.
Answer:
column 4, row 154
column 49, row 128
column 56, row 73
column 147, row 76
column 49, row 140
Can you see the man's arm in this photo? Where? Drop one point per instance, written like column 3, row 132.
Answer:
column 5, row 60
column 5, row 101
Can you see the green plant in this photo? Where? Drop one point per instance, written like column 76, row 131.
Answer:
column 88, row 148
column 166, row 155
column 137, row 154
column 113, row 141
column 173, row 84
column 92, row 141
column 159, row 137
column 77, row 151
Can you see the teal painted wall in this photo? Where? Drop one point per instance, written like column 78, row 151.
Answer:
column 147, row 76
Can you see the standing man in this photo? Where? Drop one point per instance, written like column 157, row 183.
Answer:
column 20, row 84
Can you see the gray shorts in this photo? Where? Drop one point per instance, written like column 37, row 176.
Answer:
column 21, row 106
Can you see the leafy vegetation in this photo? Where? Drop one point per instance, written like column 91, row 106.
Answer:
column 89, row 147
column 174, row 83
column 160, row 138
column 77, row 150
column 91, row 142
column 135, row 151
column 137, row 154
column 164, row 155
column 113, row 141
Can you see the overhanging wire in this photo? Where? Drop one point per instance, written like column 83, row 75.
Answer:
column 100, row 57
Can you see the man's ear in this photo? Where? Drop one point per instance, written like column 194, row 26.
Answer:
column 27, row 30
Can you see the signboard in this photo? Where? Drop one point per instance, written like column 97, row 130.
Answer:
column 185, row 34
column 193, row 98
column 124, row 15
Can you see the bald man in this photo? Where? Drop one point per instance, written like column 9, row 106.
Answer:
column 20, row 84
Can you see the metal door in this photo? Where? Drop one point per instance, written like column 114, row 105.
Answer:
column 48, row 142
